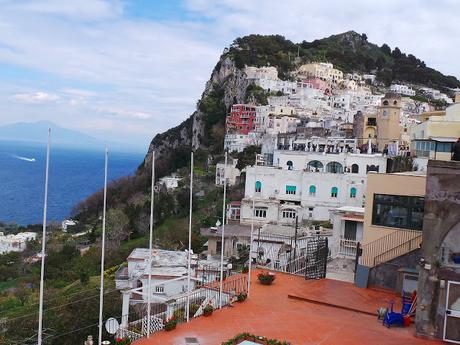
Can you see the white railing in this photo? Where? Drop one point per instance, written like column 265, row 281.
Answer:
column 347, row 247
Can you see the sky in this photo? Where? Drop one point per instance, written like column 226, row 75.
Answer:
column 125, row 70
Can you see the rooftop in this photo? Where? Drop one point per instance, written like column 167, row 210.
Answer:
column 299, row 311
column 230, row 230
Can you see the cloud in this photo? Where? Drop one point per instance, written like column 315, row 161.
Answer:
column 105, row 68
column 36, row 97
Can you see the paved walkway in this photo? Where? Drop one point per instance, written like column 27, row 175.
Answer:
column 271, row 313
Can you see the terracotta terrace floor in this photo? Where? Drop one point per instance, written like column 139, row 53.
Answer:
column 282, row 311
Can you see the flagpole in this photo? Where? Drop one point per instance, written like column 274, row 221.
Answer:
column 101, row 293
column 42, row 272
column 252, row 229
column 187, row 309
column 223, row 234
column 152, row 197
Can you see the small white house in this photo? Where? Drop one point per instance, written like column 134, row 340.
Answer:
column 170, row 182
column 15, row 243
column 66, row 223
column 230, row 172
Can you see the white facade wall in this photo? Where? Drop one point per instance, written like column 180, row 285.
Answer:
column 402, row 89
column 275, row 198
column 15, row 243
column 286, row 87
column 237, row 142
column 230, row 172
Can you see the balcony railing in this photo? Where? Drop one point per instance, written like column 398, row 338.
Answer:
column 348, row 247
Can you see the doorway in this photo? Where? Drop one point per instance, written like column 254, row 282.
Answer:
column 452, row 317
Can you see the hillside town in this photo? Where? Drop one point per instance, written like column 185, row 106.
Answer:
column 327, row 214
column 338, row 190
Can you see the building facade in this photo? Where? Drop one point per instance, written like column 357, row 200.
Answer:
column 241, row 119
column 307, row 185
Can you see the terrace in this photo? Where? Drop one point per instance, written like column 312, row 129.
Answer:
column 299, row 311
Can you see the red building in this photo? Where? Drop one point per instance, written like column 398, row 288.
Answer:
column 241, row 119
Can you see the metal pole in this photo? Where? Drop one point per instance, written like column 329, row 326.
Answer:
column 101, row 293
column 252, row 229
column 149, row 291
column 42, row 272
column 187, row 309
column 295, row 235
column 223, row 235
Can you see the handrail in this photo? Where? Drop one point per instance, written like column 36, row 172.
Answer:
column 385, row 244
column 398, row 250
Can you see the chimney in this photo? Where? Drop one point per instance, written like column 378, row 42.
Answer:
column 457, row 97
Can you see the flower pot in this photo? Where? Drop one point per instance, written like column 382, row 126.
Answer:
column 207, row 313
column 169, row 327
column 266, row 282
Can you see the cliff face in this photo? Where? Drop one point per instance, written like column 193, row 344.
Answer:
column 194, row 132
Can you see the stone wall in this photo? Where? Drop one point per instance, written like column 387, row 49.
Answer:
column 387, row 274
column 442, row 216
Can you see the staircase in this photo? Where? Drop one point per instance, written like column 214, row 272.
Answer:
column 389, row 247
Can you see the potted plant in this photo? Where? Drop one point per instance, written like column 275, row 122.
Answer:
column 245, row 269
column 241, row 297
column 123, row 341
column 170, row 324
column 266, row 278
column 193, row 308
column 207, row 311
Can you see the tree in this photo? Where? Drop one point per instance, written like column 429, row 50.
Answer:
column 22, row 294
column 117, row 226
column 386, row 49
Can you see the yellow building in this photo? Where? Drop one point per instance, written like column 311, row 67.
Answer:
column 434, row 137
column 394, row 203
column 388, row 120
column 322, row 70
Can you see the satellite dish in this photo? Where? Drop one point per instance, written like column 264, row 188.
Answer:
column 112, row 325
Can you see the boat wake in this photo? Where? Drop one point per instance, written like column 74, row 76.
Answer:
column 24, row 158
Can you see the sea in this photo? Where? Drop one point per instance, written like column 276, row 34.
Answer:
column 74, row 175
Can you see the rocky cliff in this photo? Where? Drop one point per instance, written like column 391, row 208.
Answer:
column 227, row 85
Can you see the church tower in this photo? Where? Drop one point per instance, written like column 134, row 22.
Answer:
column 388, row 117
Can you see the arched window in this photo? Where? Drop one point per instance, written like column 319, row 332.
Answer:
column 258, row 186
column 334, row 168
column 385, row 102
column 334, row 192
column 312, row 190
column 315, row 166
column 355, row 168
column 289, row 213
column 352, row 192
column 289, row 165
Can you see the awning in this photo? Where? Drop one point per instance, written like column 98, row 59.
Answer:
column 353, row 218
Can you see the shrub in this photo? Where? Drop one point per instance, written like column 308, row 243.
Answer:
column 266, row 278
column 241, row 297
column 170, row 324
column 193, row 308
column 122, row 341
column 207, row 311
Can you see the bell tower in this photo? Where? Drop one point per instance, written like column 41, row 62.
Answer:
column 388, row 117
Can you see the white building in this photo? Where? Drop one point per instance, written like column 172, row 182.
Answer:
column 322, row 70
column 166, row 266
column 402, row 89
column 307, row 185
column 15, row 243
column 238, row 142
column 266, row 72
column 66, row 223
column 170, row 182
column 347, row 230
column 230, row 172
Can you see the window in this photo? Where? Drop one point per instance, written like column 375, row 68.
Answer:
column 443, row 147
column 159, row 288
column 353, row 192
column 355, row 168
column 372, row 168
column 334, row 168
column 405, row 212
column 260, row 212
column 312, row 190
column 258, row 186
column 289, row 213
column 315, row 166
column 334, row 192
column 289, row 165
column 218, row 246
column 291, row 190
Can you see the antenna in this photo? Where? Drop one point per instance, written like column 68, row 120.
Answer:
column 187, row 309
column 223, row 235
column 152, row 198
column 42, row 272
column 101, row 293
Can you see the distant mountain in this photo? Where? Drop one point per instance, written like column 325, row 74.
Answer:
column 37, row 132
